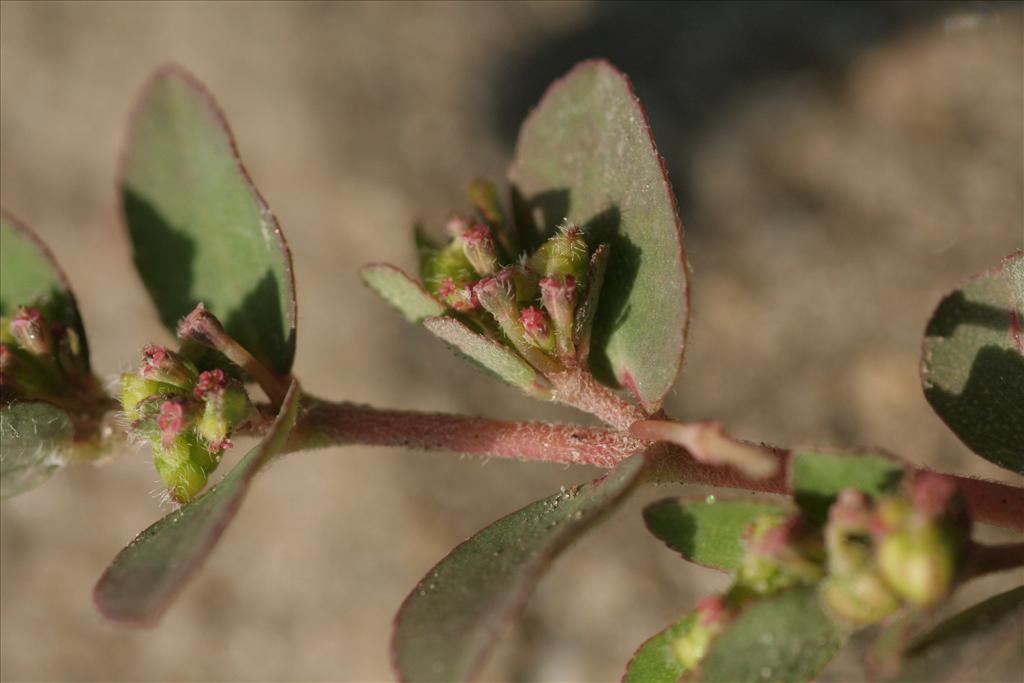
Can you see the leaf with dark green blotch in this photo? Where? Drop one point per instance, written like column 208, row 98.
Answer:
column 144, row 578
column 33, row 438
column 706, row 531
column 984, row 642
column 405, row 294
column 31, row 276
column 489, row 354
column 200, row 230
column 784, row 638
column 451, row 620
column 586, row 154
column 817, row 479
column 655, row 661
column 972, row 363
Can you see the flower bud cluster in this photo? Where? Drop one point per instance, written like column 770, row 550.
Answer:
column 871, row 559
column 41, row 358
column 186, row 415
column 532, row 302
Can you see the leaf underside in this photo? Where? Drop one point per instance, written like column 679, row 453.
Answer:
column 586, row 154
column 405, row 294
column 448, row 624
column 29, row 275
column 785, row 638
column 487, row 353
column 33, row 436
column 972, row 363
column 199, row 228
column 817, row 479
column 708, row 532
column 144, row 578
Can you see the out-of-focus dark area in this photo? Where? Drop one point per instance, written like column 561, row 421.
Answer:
column 839, row 167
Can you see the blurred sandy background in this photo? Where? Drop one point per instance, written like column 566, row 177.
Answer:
column 839, row 167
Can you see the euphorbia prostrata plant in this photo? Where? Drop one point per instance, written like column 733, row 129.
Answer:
column 573, row 287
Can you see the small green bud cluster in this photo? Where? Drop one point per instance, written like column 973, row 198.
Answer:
column 902, row 551
column 534, row 302
column 41, row 358
column 186, row 415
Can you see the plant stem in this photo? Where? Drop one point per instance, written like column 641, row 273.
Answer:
column 576, row 387
column 988, row 559
column 322, row 424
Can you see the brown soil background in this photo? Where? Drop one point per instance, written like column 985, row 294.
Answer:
column 839, row 167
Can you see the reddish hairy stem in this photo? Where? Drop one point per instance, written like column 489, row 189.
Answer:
column 988, row 559
column 322, row 424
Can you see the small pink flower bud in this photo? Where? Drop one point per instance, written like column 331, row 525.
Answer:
column 171, row 421
column 933, row 494
column 558, row 294
column 210, row 382
column 497, row 298
column 161, row 365
column 535, row 322
column 461, row 298
column 478, row 246
column 31, row 332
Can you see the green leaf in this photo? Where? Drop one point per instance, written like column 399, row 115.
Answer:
column 401, row 291
column 201, row 232
column 586, row 154
column 33, row 436
column 983, row 642
column 706, row 531
column 29, row 275
column 654, row 661
column 817, row 479
column 145, row 577
column 489, row 354
column 450, row 621
column 784, row 638
column 972, row 363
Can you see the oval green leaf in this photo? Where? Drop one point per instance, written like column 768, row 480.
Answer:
column 586, row 153
column 201, row 232
column 30, row 275
column 706, row 531
column 144, row 578
column 33, row 438
column 405, row 294
column 489, row 354
column 451, row 620
column 784, row 638
column 972, row 363
column 817, row 479
column 655, row 661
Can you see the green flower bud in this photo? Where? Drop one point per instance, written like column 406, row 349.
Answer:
column 134, row 390
column 478, row 246
column 779, row 554
column 920, row 562
column 226, row 405
column 691, row 647
column 861, row 598
column 162, row 365
column 565, row 253
column 180, row 465
column 447, row 268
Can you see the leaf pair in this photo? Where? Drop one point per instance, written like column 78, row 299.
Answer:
column 201, row 232
column 586, row 155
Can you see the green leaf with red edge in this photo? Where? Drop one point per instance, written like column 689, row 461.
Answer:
column 34, row 437
column 972, row 363
column 488, row 354
column 983, row 642
column 30, row 276
column 707, row 531
column 451, row 620
column 145, row 577
column 586, row 153
column 785, row 638
column 200, row 230
column 817, row 478
column 405, row 294
column 655, row 661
